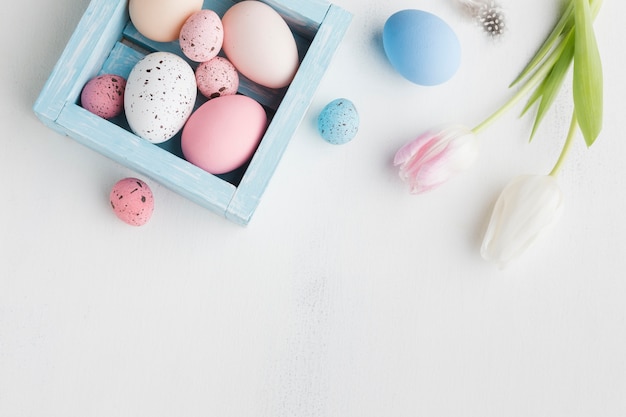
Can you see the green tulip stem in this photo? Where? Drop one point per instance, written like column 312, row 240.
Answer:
column 567, row 146
column 525, row 89
column 531, row 83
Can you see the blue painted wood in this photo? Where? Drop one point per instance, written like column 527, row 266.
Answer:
column 290, row 113
column 146, row 158
column 94, row 37
column 121, row 60
column 104, row 42
column 303, row 16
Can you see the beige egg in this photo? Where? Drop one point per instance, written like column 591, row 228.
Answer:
column 161, row 20
column 259, row 43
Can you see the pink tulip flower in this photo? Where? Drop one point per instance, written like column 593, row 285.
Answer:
column 434, row 157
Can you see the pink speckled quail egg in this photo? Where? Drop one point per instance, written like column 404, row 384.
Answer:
column 201, row 36
column 132, row 201
column 104, row 95
column 217, row 77
column 160, row 95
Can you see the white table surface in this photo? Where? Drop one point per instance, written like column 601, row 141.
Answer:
column 346, row 295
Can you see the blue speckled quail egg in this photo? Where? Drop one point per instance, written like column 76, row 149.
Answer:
column 338, row 123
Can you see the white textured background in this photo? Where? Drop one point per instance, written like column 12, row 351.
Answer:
column 345, row 296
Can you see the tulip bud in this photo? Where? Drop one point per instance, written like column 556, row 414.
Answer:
column 434, row 157
column 527, row 206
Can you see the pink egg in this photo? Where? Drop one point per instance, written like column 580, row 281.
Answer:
column 223, row 133
column 104, row 95
column 132, row 201
column 201, row 36
column 217, row 77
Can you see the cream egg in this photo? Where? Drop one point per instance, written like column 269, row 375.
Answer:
column 160, row 96
column 161, row 20
column 259, row 43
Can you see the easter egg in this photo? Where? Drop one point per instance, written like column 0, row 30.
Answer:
column 421, row 47
column 217, row 77
column 104, row 95
column 223, row 133
column 338, row 123
column 160, row 96
column 161, row 20
column 132, row 201
column 201, row 36
column 259, row 43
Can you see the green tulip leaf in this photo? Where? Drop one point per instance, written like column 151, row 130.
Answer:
column 588, row 79
column 553, row 82
column 546, row 68
column 564, row 24
column 536, row 95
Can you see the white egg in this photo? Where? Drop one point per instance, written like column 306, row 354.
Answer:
column 160, row 96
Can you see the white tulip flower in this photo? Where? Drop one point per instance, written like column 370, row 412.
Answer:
column 527, row 206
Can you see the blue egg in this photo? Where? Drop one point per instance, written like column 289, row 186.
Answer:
column 338, row 123
column 421, row 47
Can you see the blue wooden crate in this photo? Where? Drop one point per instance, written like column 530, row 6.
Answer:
column 105, row 41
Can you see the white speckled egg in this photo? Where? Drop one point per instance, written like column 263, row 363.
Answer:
column 338, row 123
column 201, row 36
column 160, row 96
column 217, row 77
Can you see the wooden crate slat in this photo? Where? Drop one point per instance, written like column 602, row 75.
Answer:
column 121, row 60
column 295, row 102
column 304, row 16
column 146, row 158
column 95, row 35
